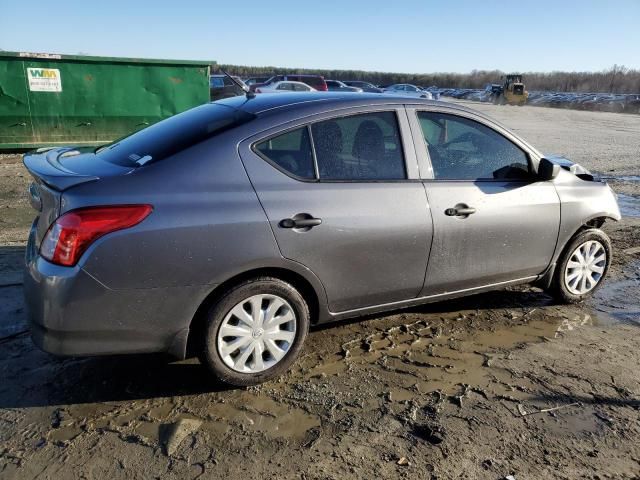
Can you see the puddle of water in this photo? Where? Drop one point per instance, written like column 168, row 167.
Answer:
column 256, row 413
column 623, row 178
column 149, row 431
column 629, row 205
column 616, row 300
column 418, row 358
column 64, row 434
column 238, row 409
column 162, row 411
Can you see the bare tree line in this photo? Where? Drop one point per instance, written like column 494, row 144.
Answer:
column 617, row 79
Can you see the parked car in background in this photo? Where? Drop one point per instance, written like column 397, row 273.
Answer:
column 434, row 90
column 284, row 87
column 365, row 86
column 221, row 86
column 253, row 80
column 408, row 90
column 307, row 212
column 338, row 86
column 315, row 81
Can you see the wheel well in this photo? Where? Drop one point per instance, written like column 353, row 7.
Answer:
column 296, row 280
column 547, row 277
column 596, row 222
column 593, row 223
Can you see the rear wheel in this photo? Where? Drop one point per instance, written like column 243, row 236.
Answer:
column 255, row 332
column 582, row 267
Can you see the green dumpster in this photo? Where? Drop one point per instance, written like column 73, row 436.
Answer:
column 49, row 99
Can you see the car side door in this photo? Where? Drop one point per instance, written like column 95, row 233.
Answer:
column 494, row 220
column 343, row 197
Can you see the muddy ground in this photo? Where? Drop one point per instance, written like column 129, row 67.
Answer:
column 503, row 383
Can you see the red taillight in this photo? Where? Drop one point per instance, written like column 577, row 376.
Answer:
column 72, row 233
column 323, row 87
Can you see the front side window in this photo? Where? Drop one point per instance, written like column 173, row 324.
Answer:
column 359, row 147
column 217, row 82
column 290, row 152
column 463, row 149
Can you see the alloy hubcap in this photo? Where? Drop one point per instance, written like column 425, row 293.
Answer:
column 257, row 333
column 585, row 267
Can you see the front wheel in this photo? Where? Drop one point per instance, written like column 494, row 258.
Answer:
column 255, row 331
column 582, row 267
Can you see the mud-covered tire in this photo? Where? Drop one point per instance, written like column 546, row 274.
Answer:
column 562, row 287
column 215, row 344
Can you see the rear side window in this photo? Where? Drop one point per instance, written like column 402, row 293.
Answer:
column 290, row 152
column 173, row 135
column 359, row 147
column 463, row 149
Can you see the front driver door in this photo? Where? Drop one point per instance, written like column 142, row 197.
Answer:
column 493, row 220
column 358, row 216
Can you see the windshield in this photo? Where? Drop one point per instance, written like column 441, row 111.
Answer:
column 173, row 135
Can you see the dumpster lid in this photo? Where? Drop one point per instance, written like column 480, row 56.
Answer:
column 96, row 59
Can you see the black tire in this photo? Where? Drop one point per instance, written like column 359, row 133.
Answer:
column 210, row 356
column 558, row 287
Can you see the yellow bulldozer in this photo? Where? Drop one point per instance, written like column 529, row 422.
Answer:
column 511, row 92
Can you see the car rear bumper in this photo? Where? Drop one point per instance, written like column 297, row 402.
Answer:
column 72, row 313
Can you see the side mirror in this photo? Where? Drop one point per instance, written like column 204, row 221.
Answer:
column 547, row 170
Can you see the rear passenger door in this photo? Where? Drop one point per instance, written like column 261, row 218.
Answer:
column 343, row 197
column 494, row 221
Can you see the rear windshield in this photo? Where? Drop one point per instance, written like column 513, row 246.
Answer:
column 173, row 135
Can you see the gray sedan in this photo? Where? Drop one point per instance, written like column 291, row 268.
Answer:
column 227, row 230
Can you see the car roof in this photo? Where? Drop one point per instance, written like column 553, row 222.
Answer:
column 299, row 104
column 295, row 101
column 292, row 82
column 303, row 75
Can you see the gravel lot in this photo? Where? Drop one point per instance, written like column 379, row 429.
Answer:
column 503, row 383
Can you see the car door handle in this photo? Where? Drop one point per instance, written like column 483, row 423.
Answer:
column 300, row 222
column 459, row 211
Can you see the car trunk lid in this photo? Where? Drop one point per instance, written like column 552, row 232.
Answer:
column 58, row 169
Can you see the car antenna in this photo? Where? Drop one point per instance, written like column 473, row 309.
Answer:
column 244, row 88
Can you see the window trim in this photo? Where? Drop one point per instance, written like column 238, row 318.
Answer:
column 404, row 134
column 254, row 149
column 420, row 143
column 379, row 180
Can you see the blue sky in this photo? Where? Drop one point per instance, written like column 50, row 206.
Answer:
column 415, row 36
